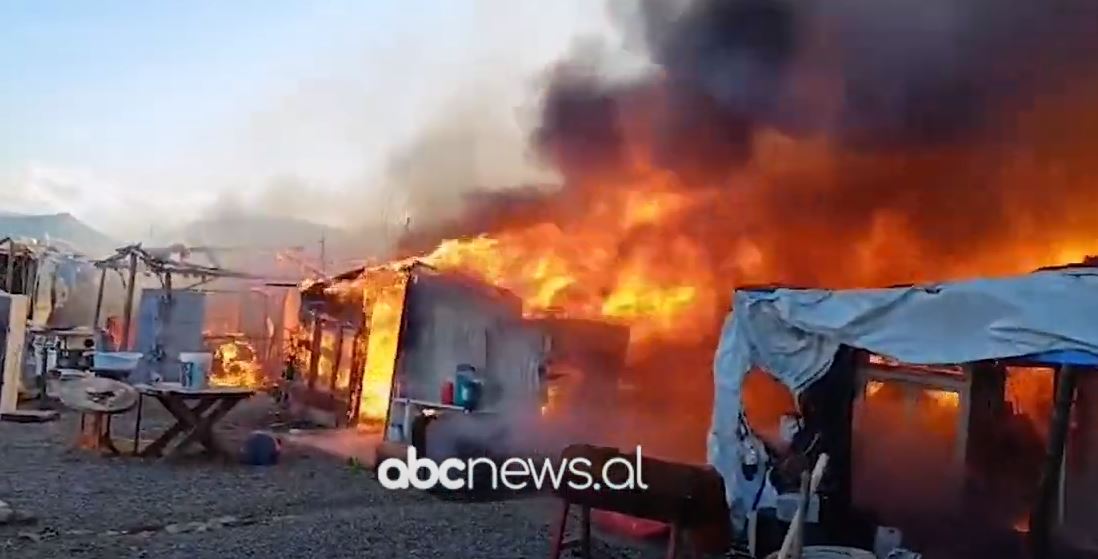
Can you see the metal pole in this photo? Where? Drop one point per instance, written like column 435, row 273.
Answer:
column 128, row 312
column 1042, row 517
column 99, row 297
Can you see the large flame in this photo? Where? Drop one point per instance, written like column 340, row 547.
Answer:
column 619, row 262
column 383, row 297
column 634, row 256
column 236, row 364
column 646, row 249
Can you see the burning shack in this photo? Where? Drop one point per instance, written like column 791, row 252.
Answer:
column 961, row 413
column 377, row 347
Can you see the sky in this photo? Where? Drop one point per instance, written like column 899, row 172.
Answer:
column 136, row 115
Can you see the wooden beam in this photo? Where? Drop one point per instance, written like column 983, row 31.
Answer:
column 10, row 275
column 1043, row 517
column 127, row 317
column 99, row 297
column 15, row 340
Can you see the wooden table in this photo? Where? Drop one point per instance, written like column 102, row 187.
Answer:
column 99, row 398
column 196, row 412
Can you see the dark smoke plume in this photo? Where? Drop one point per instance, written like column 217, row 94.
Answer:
column 833, row 143
column 873, row 74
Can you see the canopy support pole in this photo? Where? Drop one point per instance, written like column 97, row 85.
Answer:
column 128, row 312
column 1042, row 520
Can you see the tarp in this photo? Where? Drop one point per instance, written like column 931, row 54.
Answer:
column 794, row 334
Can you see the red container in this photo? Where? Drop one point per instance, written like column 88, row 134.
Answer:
column 447, row 396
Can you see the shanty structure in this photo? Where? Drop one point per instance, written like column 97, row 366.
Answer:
column 377, row 345
column 59, row 282
column 909, row 391
column 409, row 326
column 171, row 317
column 17, row 267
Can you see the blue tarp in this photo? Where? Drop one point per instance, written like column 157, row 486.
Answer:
column 1050, row 316
column 1065, row 357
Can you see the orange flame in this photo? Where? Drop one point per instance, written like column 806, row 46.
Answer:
column 944, row 398
column 384, row 305
column 236, row 364
column 661, row 286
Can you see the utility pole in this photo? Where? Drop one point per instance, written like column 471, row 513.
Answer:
column 323, row 255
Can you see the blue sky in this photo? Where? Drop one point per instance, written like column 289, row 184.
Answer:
column 122, row 111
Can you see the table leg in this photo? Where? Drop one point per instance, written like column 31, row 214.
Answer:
column 585, row 533
column 560, row 523
column 137, row 425
column 105, row 441
column 673, row 541
column 202, row 430
column 184, row 417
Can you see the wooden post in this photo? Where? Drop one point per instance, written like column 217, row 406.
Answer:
column 13, row 352
column 128, row 311
column 1042, row 518
column 828, row 409
column 987, row 407
column 165, row 320
column 314, row 349
column 10, row 277
column 99, row 297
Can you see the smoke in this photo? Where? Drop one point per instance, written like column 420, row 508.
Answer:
column 906, row 73
column 471, row 151
column 833, row 143
column 870, row 74
column 931, row 129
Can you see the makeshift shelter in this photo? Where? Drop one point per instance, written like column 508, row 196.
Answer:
column 380, row 346
column 810, row 339
column 171, row 318
column 18, row 265
column 59, row 282
column 366, row 330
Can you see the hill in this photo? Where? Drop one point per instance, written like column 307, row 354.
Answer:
column 248, row 242
column 62, row 228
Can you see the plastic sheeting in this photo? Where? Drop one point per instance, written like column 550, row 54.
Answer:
column 795, row 333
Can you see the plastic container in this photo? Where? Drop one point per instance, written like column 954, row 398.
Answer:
column 115, row 360
column 446, row 397
column 467, row 392
column 194, row 369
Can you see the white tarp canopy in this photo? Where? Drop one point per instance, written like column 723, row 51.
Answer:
column 794, row 334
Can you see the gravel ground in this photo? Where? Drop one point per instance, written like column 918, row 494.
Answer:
column 310, row 505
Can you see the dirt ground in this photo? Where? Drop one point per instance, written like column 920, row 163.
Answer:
column 311, row 504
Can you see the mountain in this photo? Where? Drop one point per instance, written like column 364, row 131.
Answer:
column 247, row 243
column 60, row 228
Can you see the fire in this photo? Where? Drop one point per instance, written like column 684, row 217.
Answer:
column 631, row 242
column 1029, row 392
column 944, row 398
column 614, row 263
column 662, row 256
column 383, row 297
column 236, row 364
